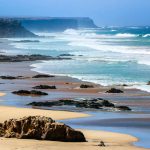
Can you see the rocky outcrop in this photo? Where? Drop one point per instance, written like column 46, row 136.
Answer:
column 20, row 58
column 44, row 87
column 40, row 128
column 113, row 90
column 96, row 103
column 12, row 28
column 29, row 93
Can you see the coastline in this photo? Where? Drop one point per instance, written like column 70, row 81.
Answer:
column 13, row 112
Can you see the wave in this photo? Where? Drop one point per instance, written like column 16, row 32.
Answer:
column 146, row 35
column 126, row 35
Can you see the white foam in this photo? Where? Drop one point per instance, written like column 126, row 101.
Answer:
column 126, row 35
column 146, row 35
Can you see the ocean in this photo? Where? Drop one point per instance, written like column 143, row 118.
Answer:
column 107, row 56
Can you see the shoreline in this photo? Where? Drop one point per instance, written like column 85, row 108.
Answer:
column 114, row 141
column 24, row 68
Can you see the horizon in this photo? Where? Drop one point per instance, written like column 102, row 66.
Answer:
column 104, row 13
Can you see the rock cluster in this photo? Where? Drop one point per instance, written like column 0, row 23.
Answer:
column 40, row 128
column 96, row 103
column 29, row 93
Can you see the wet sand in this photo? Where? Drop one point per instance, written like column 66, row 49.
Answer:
column 66, row 88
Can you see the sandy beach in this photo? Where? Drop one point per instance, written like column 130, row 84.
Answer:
column 113, row 141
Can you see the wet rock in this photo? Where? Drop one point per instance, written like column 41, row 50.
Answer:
column 44, row 87
column 123, row 108
column 86, row 86
column 40, row 128
column 113, row 90
column 29, row 93
column 43, row 76
column 11, row 77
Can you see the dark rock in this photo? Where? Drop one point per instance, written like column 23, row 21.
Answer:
column 123, row 108
column 86, row 86
column 11, row 77
column 106, row 103
column 65, row 55
column 113, row 90
column 90, row 104
column 44, row 87
column 148, row 83
column 27, row 41
column 8, row 77
column 20, row 58
column 102, row 144
column 29, row 93
column 40, row 128
column 43, row 76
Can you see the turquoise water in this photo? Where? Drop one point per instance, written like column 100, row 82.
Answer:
column 107, row 56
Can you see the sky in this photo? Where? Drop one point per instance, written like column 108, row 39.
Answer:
column 103, row 12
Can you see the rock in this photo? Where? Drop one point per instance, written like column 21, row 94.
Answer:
column 43, row 76
column 27, row 41
column 86, row 86
column 148, row 83
column 123, row 108
column 93, row 103
column 11, row 77
column 106, row 103
column 40, row 128
column 29, row 93
column 21, row 58
column 102, row 144
column 8, row 77
column 113, row 90
column 44, row 87
column 65, row 55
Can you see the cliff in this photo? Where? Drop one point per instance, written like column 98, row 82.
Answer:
column 13, row 28
column 56, row 24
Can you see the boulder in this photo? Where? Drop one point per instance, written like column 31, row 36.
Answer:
column 40, row 128
column 29, row 93
column 113, row 90
column 86, row 86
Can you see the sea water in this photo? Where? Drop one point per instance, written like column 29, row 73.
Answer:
column 107, row 56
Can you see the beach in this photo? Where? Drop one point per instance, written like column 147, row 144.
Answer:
column 113, row 140
column 93, row 123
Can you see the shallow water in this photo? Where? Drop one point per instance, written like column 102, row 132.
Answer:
column 116, row 122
